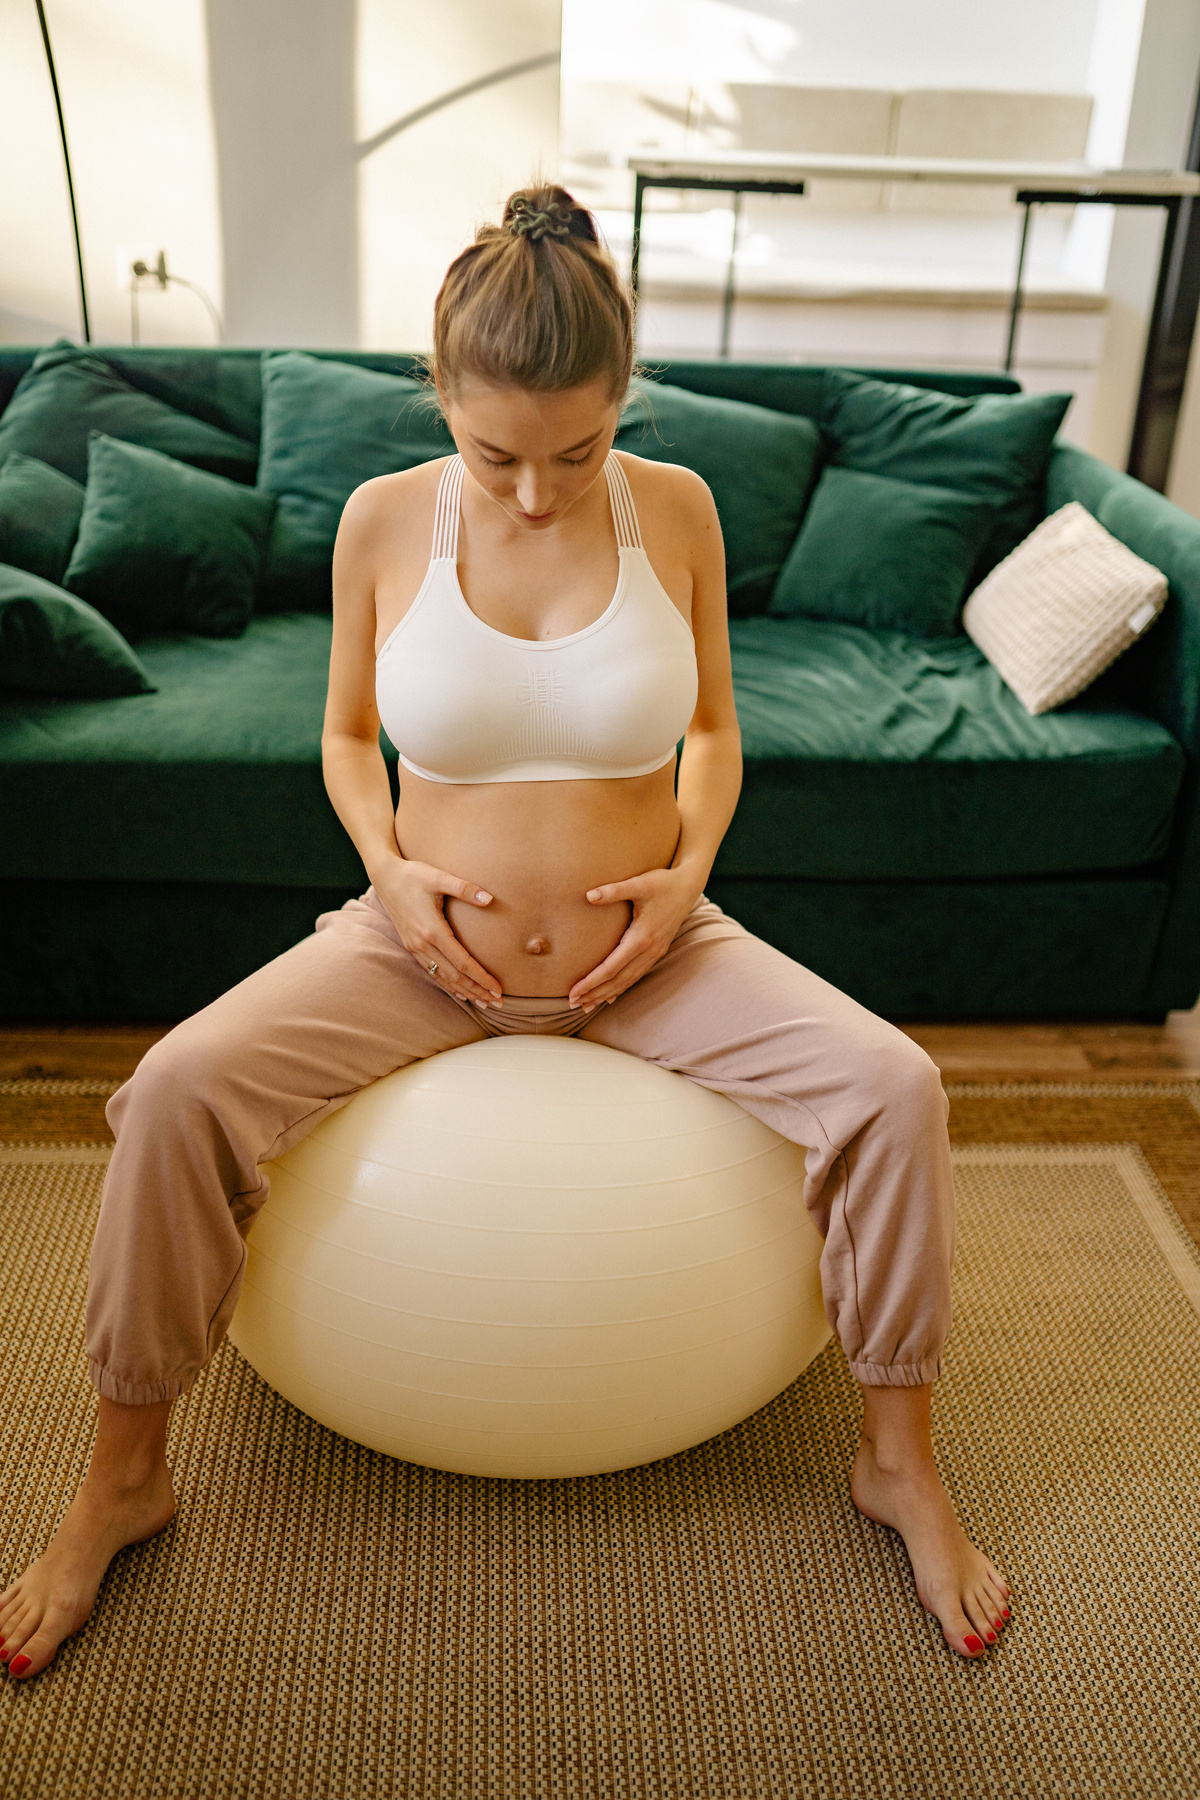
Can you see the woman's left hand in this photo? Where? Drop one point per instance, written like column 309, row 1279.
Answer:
column 661, row 900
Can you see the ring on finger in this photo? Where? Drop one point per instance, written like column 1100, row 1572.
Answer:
column 433, row 968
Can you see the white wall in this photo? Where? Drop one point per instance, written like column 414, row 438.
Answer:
column 229, row 134
column 281, row 76
column 134, row 82
column 327, row 240
column 423, row 192
column 1027, row 45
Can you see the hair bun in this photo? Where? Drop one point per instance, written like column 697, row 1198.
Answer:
column 542, row 319
column 545, row 210
column 523, row 218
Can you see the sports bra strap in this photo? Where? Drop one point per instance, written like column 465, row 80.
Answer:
column 449, row 508
column 621, row 500
column 445, row 518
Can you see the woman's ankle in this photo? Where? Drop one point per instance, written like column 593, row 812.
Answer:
column 112, row 1482
column 896, row 1429
column 130, row 1451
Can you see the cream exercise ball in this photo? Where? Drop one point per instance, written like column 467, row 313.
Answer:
column 533, row 1257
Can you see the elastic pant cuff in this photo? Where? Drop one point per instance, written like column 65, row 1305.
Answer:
column 136, row 1393
column 869, row 1374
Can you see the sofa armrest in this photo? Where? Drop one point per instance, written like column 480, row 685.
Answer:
column 1159, row 675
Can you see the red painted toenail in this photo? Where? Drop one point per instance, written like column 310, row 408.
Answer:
column 991, row 1637
column 19, row 1664
column 974, row 1644
column 1004, row 1612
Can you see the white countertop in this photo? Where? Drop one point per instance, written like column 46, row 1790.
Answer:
column 755, row 165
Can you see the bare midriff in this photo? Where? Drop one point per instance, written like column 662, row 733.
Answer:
column 538, row 847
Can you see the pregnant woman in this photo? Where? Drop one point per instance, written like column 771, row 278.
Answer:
column 536, row 621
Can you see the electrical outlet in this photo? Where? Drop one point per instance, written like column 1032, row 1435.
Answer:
column 128, row 254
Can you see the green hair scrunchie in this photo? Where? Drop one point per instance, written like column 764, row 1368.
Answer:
column 524, row 219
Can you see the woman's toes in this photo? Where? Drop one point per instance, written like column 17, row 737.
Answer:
column 980, row 1617
column 23, row 1665
column 989, row 1606
column 36, row 1652
column 13, row 1638
column 962, row 1635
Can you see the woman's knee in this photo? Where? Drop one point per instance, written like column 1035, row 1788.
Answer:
column 189, row 1072
column 908, row 1082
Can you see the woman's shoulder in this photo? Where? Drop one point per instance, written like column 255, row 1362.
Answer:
column 663, row 481
column 400, row 495
column 667, row 496
column 389, row 518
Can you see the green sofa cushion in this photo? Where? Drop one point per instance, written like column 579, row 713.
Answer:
column 222, row 383
column 326, row 428
column 868, row 755
column 164, row 547
column 52, row 643
column 760, row 465
column 216, row 777
column 887, row 554
column 39, row 516
column 996, row 446
column 873, row 755
column 68, row 394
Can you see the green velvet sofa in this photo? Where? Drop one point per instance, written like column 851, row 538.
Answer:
column 905, row 828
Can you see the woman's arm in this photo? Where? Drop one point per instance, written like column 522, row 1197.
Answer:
column 710, row 773
column 356, row 776
column 710, row 768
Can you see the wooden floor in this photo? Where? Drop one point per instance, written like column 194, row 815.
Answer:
column 1120, row 1052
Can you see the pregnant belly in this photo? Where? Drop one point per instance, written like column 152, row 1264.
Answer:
column 537, row 847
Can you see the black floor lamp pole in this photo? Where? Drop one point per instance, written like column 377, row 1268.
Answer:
column 62, row 132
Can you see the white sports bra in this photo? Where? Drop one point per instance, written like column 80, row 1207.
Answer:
column 463, row 702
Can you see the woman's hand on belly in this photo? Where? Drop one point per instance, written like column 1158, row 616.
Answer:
column 413, row 893
column 661, row 900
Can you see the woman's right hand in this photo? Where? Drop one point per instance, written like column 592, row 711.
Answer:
column 413, row 893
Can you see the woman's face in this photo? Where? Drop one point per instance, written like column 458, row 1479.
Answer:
column 534, row 454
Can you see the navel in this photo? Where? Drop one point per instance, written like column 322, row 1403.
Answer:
column 538, row 946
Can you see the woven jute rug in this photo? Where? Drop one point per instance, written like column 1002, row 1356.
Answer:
column 325, row 1622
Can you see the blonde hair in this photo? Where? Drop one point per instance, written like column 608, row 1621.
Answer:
column 536, row 302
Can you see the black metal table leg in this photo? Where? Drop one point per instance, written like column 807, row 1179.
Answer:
column 1017, row 290
column 639, row 194
column 727, row 311
column 1168, row 346
column 1169, row 339
column 695, row 184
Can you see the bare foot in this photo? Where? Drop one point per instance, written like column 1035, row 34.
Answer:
column 896, row 1482
column 126, row 1497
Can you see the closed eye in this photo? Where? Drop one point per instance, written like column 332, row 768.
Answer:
column 504, row 462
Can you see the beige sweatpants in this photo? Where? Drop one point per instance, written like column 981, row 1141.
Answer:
column 244, row 1079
